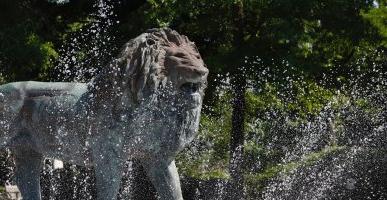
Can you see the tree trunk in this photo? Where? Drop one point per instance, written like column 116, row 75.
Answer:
column 237, row 141
column 236, row 186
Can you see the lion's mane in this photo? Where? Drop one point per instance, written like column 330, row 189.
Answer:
column 139, row 68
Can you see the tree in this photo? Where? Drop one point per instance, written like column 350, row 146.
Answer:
column 315, row 36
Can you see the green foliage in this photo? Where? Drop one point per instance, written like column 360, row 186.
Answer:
column 75, row 27
column 306, row 98
column 47, row 51
column 268, row 99
column 378, row 18
column 25, row 55
column 30, row 34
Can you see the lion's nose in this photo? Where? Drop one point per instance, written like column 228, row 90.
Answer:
column 201, row 71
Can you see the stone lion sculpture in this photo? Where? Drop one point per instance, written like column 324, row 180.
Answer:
column 146, row 104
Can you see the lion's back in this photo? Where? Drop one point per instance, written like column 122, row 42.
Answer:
column 14, row 95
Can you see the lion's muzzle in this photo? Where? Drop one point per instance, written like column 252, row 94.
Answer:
column 191, row 94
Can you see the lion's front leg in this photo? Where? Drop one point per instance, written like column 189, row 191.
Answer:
column 108, row 166
column 165, row 178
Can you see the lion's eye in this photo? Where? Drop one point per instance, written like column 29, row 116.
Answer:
column 179, row 54
column 197, row 56
column 150, row 42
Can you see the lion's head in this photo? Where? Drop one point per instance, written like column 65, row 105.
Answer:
column 159, row 59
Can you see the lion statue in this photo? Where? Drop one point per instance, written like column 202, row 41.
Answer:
column 145, row 104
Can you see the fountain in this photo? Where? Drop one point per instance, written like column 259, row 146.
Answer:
column 337, row 152
column 342, row 150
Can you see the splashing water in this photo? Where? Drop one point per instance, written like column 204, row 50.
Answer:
column 335, row 154
column 339, row 153
column 88, row 49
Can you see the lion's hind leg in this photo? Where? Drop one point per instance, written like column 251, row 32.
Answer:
column 28, row 166
column 9, row 116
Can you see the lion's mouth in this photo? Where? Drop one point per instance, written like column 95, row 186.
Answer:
column 190, row 88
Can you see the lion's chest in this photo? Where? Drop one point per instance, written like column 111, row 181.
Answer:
column 166, row 133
